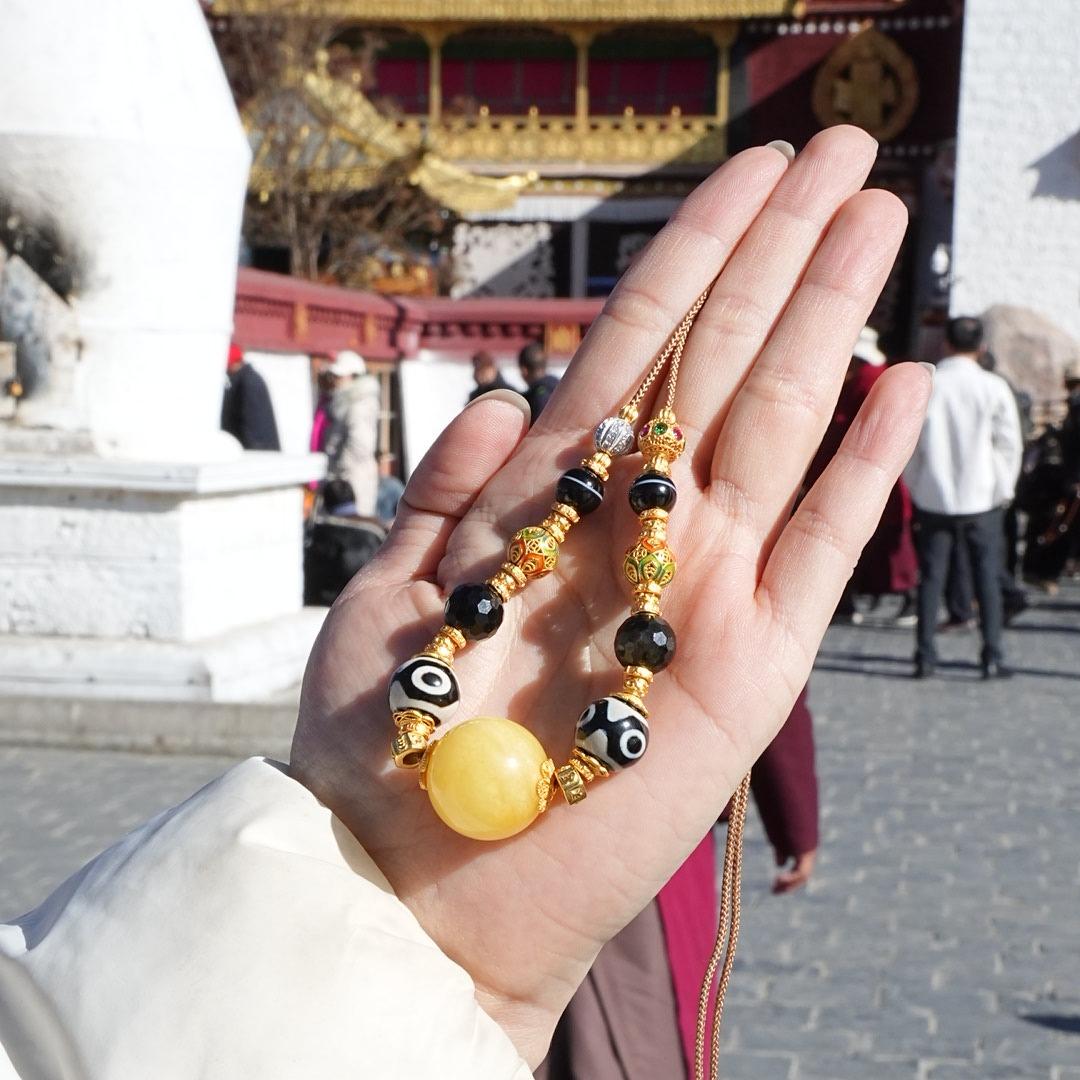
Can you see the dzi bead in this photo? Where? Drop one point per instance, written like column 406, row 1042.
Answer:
column 534, row 551
column 485, row 778
column 580, row 488
column 475, row 610
column 652, row 491
column 614, row 436
column 426, row 685
column 645, row 641
column 613, row 732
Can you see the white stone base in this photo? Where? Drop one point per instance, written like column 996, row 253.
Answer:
column 251, row 664
column 161, row 551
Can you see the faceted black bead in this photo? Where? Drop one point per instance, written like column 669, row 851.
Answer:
column 645, row 640
column 652, row 491
column 475, row 610
column 580, row 488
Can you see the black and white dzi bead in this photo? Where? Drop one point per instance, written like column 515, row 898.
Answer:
column 427, row 685
column 615, row 733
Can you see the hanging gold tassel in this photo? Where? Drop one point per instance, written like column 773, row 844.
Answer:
column 727, row 938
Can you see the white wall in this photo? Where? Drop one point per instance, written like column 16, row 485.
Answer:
column 1016, row 237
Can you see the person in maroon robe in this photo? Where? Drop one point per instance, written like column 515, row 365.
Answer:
column 888, row 564
column 634, row 1016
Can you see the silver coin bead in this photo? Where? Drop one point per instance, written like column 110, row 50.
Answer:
column 614, row 436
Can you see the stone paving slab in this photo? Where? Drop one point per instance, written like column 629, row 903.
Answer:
column 940, row 938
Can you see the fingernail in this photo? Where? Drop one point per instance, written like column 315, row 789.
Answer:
column 511, row 397
column 929, row 368
column 784, row 148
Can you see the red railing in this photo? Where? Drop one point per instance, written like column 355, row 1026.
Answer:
column 285, row 314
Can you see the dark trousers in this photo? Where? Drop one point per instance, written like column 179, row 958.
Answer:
column 960, row 587
column 982, row 538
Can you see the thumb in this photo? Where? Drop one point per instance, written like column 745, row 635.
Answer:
column 473, row 448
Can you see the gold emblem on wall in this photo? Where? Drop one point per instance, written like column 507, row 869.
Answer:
column 868, row 81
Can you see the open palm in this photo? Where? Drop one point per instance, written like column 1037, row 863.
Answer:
column 801, row 255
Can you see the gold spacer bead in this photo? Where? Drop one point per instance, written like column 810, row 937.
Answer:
column 410, row 743
column 571, row 784
column 557, row 525
column 506, row 581
column 588, row 766
column 629, row 413
column 654, row 514
column 445, row 644
column 658, row 464
column 636, row 682
column 667, row 415
column 566, row 511
column 647, row 598
column 599, row 464
column 545, row 786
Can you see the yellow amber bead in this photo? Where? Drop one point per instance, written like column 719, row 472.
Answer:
column 481, row 778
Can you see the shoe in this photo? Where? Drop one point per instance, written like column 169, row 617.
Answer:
column 908, row 614
column 995, row 669
column 925, row 669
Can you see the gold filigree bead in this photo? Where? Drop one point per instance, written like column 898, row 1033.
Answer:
column 662, row 440
column 410, row 743
column 644, row 564
column 445, row 644
column 598, row 463
column 534, row 551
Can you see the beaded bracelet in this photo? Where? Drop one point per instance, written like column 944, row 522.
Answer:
column 489, row 778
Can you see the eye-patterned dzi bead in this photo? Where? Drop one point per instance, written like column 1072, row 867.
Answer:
column 426, row 685
column 475, row 610
column 614, row 436
column 645, row 640
column 613, row 732
column 652, row 491
column 534, row 551
column 580, row 488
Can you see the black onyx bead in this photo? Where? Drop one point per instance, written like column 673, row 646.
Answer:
column 580, row 488
column 475, row 610
column 645, row 640
column 652, row 491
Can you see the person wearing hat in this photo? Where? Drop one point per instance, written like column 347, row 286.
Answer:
column 351, row 438
column 247, row 412
column 888, row 564
column 962, row 475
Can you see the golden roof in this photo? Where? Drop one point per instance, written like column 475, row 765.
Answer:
column 519, row 11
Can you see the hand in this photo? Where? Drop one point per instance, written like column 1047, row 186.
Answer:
column 801, row 255
column 796, row 876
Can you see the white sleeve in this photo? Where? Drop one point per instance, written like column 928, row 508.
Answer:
column 243, row 935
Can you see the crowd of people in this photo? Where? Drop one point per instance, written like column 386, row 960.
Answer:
column 986, row 505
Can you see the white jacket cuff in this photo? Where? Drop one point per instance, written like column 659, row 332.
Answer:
column 246, row 934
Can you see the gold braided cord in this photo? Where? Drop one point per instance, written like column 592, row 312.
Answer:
column 673, row 349
column 727, row 938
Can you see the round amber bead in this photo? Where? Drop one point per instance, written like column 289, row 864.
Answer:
column 482, row 778
column 534, row 551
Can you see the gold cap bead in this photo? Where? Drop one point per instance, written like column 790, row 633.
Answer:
column 410, row 743
column 445, row 644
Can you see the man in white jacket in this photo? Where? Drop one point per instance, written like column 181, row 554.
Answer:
column 962, row 476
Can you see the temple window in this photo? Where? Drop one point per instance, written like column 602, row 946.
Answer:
column 509, row 70
column 393, row 64
column 652, row 70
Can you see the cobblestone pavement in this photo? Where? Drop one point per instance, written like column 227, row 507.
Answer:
column 940, row 938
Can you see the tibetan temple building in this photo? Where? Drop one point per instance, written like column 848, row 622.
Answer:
column 600, row 115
